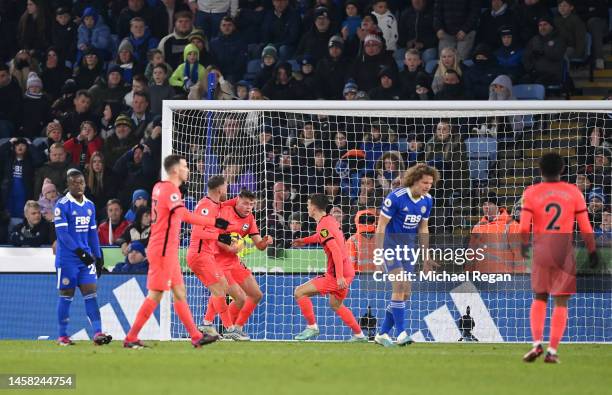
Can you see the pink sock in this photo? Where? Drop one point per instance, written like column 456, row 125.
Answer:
column 349, row 319
column 234, row 310
column 145, row 311
column 219, row 305
column 182, row 310
column 246, row 311
column 537, row 316
column 557, row 325
column 307, row 310
column 210, row 310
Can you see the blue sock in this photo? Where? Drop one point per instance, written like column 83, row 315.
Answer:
column 93, row 312
column 398, row 309
column 63, row 314
column 388, row 321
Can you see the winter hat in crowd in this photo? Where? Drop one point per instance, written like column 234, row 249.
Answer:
column 597, row 193
column 47, row 187
column 335, row 41
column 137, row 246
column 269, row 50
column 198, row 35
column 546, row 18
column 306, row 59
column 90, row 11
column 124, row 120
column 506, row 31
column 126, row 45
column 62, row 11
column 114, row 69
column 34, row 81
column 349, row 87
column 321, row 11
column 53, row 126
column 69, row 87
column 372, row 38
column 140, row 194
column 386, row 72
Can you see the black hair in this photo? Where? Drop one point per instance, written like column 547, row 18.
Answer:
column 551, row 165
column 246, row 194
column 319, row 200
column 215, row 182
column 171, row 161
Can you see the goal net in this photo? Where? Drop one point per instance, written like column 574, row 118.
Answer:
column 355, row 152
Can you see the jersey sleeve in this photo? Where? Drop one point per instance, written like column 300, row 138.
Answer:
column 61, row 228
column 171, row 197
column 59, row 219
column 389, row 206
column 254, row 230
column 579, row 202
column 324, row 230
column 428, row 208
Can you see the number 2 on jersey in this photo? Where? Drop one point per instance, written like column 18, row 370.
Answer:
column 552, row 225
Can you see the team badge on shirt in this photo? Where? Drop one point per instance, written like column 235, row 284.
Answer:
column 324, row 233
column 174, row 197
column 245, row 227
column 89, row 211
column 423, row 209
column 58, row 212
column 65, row 281
column 204, row 211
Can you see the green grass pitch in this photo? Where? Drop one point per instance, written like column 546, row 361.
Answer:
column 312, row 368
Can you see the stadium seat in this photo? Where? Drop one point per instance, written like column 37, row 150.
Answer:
column 431, row 66
column 482, row 152
column 38, row 141
column 529, row 92
column 253, row 67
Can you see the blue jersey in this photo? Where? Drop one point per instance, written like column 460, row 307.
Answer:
column 75, row 226
column 405, row 212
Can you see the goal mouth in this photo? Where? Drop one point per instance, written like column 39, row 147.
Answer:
column 487, row 153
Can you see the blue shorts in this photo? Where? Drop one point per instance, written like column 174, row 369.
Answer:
column 406, row 261
column 72, row 276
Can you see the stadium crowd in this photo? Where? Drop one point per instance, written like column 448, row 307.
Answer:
column 82, row 82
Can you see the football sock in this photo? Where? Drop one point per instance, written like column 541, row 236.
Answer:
column 219, row 306
column 234, row 310
column 209, row 316
column 349, row 319
column 93, row 311
column 63, row 314
column 398, row 309
column 246, row 311
column 387, row 322
column 182, row 310
column 557, row 326
column 145, row 311
column 537, row 316
column 307, row 310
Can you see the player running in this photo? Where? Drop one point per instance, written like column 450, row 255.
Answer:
column 243, row 287
column 78, row 255
column 338, row 277
column 553, row 206
column 404, row 215
column 167, row 212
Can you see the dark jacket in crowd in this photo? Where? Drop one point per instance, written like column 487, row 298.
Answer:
column 10, row 103
column 114, row 148
column 25, row 235
column 71, row 122
column 283, row 30
column 490, row 25
column 142, row 45
column 587, row 9
column 453, row 16
column 64, row 38
column 230, row 54
column 36, row 111
column 146, row 13
column 314, row 43
column 54, row 171
column 408, row 82
column 101, row 93
column 99, row 196
column 478, row 78
column 7, row 169
column 133, row 175
column 53, row 80
column 331, row 75
column 528, row 16
column 365, row 69
column 86, row 77
column 129, row 268
column 417, row 26
column 543, row 58
column 510, row 61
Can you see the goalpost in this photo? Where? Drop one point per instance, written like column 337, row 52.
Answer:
column 355, row 150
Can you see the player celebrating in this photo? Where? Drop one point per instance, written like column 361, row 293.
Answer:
column 201, row 256
column 77, row 256
column 243, row 287
column 336, row 281
column 404, row 215
column 167, row 212
column 553, row 206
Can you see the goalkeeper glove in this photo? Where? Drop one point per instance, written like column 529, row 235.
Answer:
column 84, row 256
column 221, row 223
column 525, row 251
column 593, row 259
column 100, row 266
column 225, row 239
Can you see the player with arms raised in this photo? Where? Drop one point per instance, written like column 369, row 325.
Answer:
column 404, row 215
column 338, row 277
column 243, row 287
column 78, row 255
column 167, row 212
column 550, row 209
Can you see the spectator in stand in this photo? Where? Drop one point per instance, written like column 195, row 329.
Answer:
column 137, row 171
column 388, row 167
column 140, row 198
column 101, row 184
column 387, row 23
column 223, row 88
column 34, row 230
column 155, row 58
column 333, row 192
column 65, row 103
column 350, row 90
column 455, row 23
column 499, row 15
column 308, row 17
column 111, row 230
column 589, row 144
column 94, row 35
column 188, row 73
column 452, row 87
column 603, row 232
column 34, row 27
column 544, row 54
column 388, row 88
column 282, row 86
column 315, row 41
column 354, row 45
column 449, row 59
column 306, row 145
column 296, row 228
column 342, row 219
column 369, row 196
column 601, row 170
column 416, row 31
column 313, row 179
column 10, row 103
column 238, row 176
column 198, row 39
column 209, row 13
column 529, row 13
column 111, row 89
column 64, row 35
column 139, row 85
column 72, row 120
column 413, row 154
column 242, row 90
column 122, row 141
column 423, row 87
column 141, row 40
column 46, row 201
column 135, row 261
column 338, row 147
column 139, row 230
column 352, row 22
column 594, row 14
column 510, row 54
column 478, row 77
column 17, row 177
column 138, row 8
column 286, row 170
column 571, row 28
column 36, row 108
column 129, row 66
column 107, row 121
column 380, row 139
column 22, row 65
column 159, row 89
column 407, row 78
column 331, row 71
column 55, row 169
column 501, row 88
column 54, row 135
column 229, row 50
column 597, row 201
column 89, row 70
column 278, row 212
column 54, row 74
column 281, row 27
column 445, row 152
column 269, row 59
column 584, row 182
column 139, row 113
column 308, row 84
column 81, row 147
column 172, row 45
column 365, row 68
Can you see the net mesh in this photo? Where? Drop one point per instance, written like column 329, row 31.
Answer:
column 357, row 159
